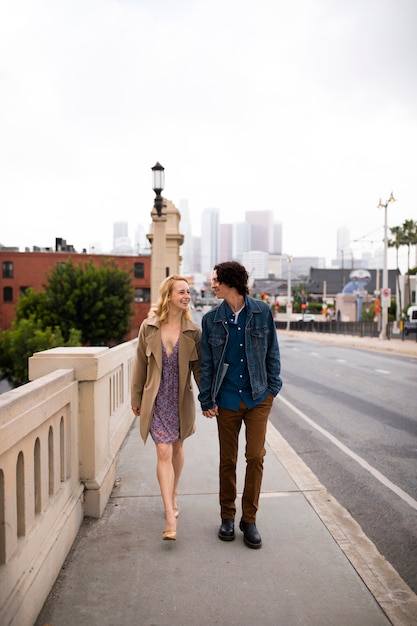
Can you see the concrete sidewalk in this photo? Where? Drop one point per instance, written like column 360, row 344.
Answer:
column 120, row 571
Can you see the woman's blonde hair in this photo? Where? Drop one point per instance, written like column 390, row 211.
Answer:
column 162, row 306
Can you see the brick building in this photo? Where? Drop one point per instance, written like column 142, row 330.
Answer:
column 20, row 270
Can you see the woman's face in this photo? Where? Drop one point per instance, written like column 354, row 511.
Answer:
column 179, row 297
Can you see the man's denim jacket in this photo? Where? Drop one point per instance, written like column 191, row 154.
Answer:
column 261, row 347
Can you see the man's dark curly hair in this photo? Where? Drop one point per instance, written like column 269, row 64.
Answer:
column 233, row 274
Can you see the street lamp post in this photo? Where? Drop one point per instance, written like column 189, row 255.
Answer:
column 165, row 237
column 158, row 180
column 385, row 294
column 289, row 300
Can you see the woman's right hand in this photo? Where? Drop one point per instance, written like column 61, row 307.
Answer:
column 136, row 410
column 211, row 412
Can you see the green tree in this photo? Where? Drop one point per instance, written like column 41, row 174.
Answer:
column 80, row 305
column 95, row 300
column 405, row 235
column 34, row 304
column 26, row 337
column 410, row 239
column 396, row 242
column 300, row 297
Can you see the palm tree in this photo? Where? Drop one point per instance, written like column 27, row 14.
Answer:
column 397, row 241
column 409, row 229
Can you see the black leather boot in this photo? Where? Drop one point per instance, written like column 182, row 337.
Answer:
column 251, row 535
column 227, row 530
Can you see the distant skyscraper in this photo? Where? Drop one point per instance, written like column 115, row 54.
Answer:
column 226, row 242
column 262, row 223
column 344, row 250
column 241, row 240
column 187, row 248
column 121, row 241
column 275, row 263
column 142, row 245
column 196, row 255
column 256, row 264
column 120, row 231
column 210, row 239
column 277, row 239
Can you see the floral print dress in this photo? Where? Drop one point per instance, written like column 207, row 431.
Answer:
column 165, row 425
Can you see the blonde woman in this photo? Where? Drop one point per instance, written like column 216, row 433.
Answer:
column 168, row 351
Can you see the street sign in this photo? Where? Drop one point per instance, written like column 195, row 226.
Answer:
column 386, row 297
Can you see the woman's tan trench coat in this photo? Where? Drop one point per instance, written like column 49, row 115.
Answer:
column 146, row 375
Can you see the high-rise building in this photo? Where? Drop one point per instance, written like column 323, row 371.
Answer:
column 256, row 264
column 196, row 255
column 344, row 249
column 262, row 230
column 226, row 242
column 210, row 239
column 187, row 248
column 120, row 231
column 241, row 240
column 142, row 245
column 121, row 241
column 277, row 238
column 275, row 263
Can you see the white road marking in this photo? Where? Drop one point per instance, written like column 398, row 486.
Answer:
column 374, row 472
column 382, row 371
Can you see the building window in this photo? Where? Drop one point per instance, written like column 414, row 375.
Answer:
column 139, row 270
column 142, row 295
column 7, row 294
column 7, row 269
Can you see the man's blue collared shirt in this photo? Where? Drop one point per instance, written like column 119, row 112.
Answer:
column 236, row 383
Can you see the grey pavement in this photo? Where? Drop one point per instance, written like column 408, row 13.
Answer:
column 315, row 566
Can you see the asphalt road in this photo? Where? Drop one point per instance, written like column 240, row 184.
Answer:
column 351, row 415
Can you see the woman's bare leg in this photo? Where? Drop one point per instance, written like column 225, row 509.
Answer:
column 178, row 464
column 166, row 478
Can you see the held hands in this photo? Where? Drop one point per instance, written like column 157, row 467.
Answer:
column 211, row 412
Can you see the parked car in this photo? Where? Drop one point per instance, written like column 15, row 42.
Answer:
column 306, row 317
column 410, row 325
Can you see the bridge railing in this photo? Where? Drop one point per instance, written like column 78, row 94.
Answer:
column 59, row 437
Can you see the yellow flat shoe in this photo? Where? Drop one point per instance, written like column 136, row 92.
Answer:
column 169, row 534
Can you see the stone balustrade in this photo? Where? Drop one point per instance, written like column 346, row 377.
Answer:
column 59, row 437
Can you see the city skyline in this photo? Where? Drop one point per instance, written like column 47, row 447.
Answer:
column 132, row 240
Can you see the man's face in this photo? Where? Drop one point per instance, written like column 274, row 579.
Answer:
column 220, row 289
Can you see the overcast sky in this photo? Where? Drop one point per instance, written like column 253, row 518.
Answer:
column 306, row 107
